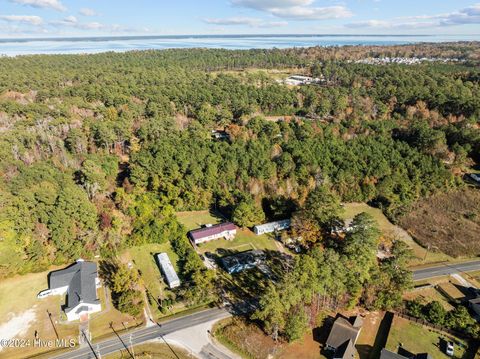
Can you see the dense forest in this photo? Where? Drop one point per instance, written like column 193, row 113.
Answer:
column 99, row 151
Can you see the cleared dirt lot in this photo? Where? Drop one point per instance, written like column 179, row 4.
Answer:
column 449, row 222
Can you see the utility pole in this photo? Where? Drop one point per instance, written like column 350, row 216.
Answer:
column 131, row 346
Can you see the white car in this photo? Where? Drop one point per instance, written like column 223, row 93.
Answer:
column 449, row 350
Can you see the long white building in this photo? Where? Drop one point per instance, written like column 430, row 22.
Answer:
column 166, row 267
column 272, row 227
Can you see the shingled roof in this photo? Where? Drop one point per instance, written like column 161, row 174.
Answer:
column 343, row 331
column 81, row 281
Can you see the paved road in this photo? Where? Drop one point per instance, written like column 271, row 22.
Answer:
column 446, row 269
column 142, row 335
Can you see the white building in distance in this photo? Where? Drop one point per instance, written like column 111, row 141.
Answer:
column 272, row 227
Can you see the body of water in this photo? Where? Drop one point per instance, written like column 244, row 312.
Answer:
column 14, row 47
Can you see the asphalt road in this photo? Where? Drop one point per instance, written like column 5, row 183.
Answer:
column 122, row 342
column 446, row 269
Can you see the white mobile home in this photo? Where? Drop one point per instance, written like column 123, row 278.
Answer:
column 272, row 227
column 166, row 267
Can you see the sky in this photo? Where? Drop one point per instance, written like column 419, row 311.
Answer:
column 56, row 18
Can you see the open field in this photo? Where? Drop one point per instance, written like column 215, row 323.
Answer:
column 448, row 221
column 419, row 339
column 153, row 350
column 244, row 240
column 391, row 232
column 143, row 259
column 18, row 297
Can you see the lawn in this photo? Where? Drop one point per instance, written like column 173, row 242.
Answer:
column 142, row 257
column 391, row 231
column 427, row 295
column 244, row 240
column 419, row 339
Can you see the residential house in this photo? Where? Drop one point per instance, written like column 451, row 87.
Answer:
column 208, row 233
column 272, row 227
column 242, row 261
column 79, row 282
column 343, row 336
column 167, row 269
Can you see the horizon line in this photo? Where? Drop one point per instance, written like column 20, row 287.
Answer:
column 179, row 36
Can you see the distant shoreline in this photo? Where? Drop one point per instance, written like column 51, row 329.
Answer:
column 99, row 44
column 185, row 37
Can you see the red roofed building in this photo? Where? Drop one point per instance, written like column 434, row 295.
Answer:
column 225, row 230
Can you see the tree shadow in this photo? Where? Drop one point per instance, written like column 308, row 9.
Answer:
column 382, row 335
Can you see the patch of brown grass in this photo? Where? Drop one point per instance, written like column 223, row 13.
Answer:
column 449, row 222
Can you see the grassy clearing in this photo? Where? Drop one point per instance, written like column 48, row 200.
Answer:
column 153, row 351
column 419, row 339
column 448, row 221
column 143, row 259
column 244, row 240
column 195, row 219
column 391, row 232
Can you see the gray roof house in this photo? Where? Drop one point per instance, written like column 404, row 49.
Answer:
column 343, row 336
column 79, row 282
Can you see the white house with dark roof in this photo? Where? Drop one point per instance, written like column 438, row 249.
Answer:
column 225, row 230
column 79, row 282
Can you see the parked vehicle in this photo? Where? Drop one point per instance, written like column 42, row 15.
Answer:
column 450, row 349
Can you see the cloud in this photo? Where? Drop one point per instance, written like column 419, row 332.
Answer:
column 468, row 15
column 72, row 21
column 295, row 9
column 245, row 21
column 87, row 12
column 43, row 4
column 24, row 19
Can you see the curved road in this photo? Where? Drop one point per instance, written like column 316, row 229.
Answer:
column 446, row 269
column 124, row 341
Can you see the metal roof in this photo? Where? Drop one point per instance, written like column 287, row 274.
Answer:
column 211, row 231
column 167, row 269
